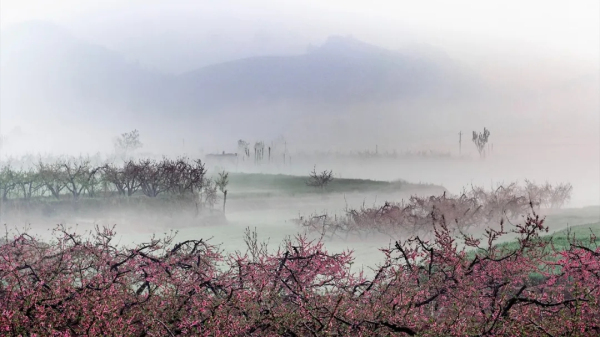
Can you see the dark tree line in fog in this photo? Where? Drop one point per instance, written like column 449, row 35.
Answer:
column 76, row 178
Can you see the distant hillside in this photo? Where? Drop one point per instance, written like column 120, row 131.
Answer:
column 43, row 66
column 340, row 72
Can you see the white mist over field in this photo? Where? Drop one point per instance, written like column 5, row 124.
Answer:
column 373, row 90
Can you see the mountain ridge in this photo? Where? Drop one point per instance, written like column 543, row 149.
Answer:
column 45, row 68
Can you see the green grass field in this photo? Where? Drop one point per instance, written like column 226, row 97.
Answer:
column 265, row 185
column 561, row 239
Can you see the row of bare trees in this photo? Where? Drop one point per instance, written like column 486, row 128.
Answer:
column 78, row 177
column 153, row 178
column 476, row 208
column 72, row 177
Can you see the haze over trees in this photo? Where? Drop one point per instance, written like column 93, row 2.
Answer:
column 206, row 214
column 337, row 79
column 126, row 143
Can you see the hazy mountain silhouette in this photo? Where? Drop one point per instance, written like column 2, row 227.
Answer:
column 45, row 68
column 342, row 71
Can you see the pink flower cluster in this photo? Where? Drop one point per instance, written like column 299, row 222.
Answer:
column 443, row 286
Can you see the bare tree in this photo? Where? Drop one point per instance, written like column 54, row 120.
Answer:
column 547, row 195
column 480, row 140
column 210, row 193
column 7, row 181
column 560, row 195
column 28, row 182
column 222, row 182
column 193, row 177
column 152, row 178
column 53, row 178
column 320, row 180
column 126, row 179
column 243, row 148
column 79, row 176
column 182, row 177
column 127, row 143
column 114, row 175
column 259, row 151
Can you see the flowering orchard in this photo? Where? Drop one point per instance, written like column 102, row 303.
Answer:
column 416, row 215
column 444, row 285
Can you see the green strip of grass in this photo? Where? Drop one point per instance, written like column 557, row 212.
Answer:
column 286, row 184
column 561, row 239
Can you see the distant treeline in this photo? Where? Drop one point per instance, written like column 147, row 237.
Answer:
column 377, row 153
column 86, row 177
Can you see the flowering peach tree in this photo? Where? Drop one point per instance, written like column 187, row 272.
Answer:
column 443, row 285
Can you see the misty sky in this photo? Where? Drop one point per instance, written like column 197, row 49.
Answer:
column 476, row 31
column 538, row 60
column 522, row 45
column 532, row 48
